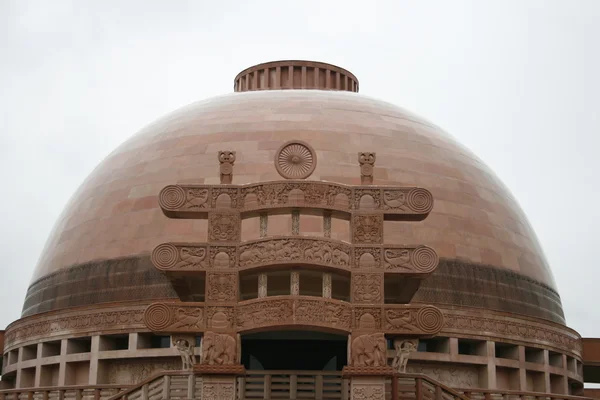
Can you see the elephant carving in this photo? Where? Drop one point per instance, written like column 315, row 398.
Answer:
column 369, row 350
column 218, row 349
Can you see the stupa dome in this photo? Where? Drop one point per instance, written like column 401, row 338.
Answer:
column 99, row 250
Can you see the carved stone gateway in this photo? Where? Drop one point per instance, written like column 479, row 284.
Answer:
column 366, row 260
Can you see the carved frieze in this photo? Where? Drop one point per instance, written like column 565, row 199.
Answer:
column 256, row 314
column 224, row 227
column 176, row 317
column 367, row 288
column 367, row 228
column 221, row 286
column 185, row 256
column 218, row 388
column 295, row 250
column 335, row 314
column 196, row 200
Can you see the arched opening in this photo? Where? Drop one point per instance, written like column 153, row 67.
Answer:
column 294, row 350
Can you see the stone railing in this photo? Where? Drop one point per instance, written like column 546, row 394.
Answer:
column 293, row 385
column 165, row 385
column 498, row 394
column 422, row 387
column 88, row 392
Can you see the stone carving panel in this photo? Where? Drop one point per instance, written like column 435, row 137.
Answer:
column 369, row 350
column 226, row 160
column 220, row 318
column 261, row 313
column 295, row 160
column 367, row 257
column 176, row 317
column 221, row 286
column 132, row 371
column 367, row 288
column 176, row 257
column 367, row 391
column 421, row 320
column 190, row 199
column 455, row 376
column 403, row 349
column 218, row 388
column 421, row 260
column 325, row 313
column 367, row 228
column 366, row 161
column 367, row 318
column 224, row 227
column 295, row 250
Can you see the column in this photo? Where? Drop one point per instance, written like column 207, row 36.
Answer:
column 522, row 369
column 295, row 222
column 62, row 369
column 326, row 285
column 95, row 349
column 262, row 285
column 491, row 366
column 264, row 224
column 295, row 283
column 327, row 224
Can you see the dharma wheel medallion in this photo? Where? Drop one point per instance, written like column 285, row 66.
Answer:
column 295, row 160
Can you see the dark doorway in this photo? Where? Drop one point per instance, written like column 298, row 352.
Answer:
column 294, row 350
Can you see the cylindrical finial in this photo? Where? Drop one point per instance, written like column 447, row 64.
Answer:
column 281, row 75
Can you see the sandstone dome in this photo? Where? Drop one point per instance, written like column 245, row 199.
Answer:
column 99, row 250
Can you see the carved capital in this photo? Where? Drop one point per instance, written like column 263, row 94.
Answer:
column 226, row 160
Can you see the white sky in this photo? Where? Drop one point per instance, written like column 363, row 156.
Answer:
column 516, row 81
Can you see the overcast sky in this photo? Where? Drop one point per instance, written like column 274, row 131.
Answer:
column 515, row 81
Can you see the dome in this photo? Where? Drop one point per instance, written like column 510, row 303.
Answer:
column 100, row 246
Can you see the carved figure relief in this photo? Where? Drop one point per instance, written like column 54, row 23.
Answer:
column 367, row 228
column 422, row 259
column 218, row 349
column 367, row 199
column 394, row 200
column 369, row 350
column 188, row 319
column 225, row 197
column 397, row 258
column 257, row 314
column 367, row 288
column 226, row 159
column 320, row 312
column 367, row 257
column 367, row 162
column 403, row 349
column 186, row 351
column 289, row 250
column 222, row 286
column 223, row 227
column 223, row 256
column 295, row 160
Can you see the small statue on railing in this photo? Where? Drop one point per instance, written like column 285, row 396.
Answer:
column 226, row 159
column 186, row 351
column 403, row 350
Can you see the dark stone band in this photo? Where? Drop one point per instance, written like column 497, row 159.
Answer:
column 454, row 283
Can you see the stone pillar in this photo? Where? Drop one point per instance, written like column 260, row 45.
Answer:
column 62, row 369
column 565, row 367
column 327, row 285
column 295, row 283
column 295, row 222
column 368, row 367
column 327, row 224
column 547, row 384
column 491, row 381
column 522, row 369
column 262, row 285
column 264, row 224
column 95, row 349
